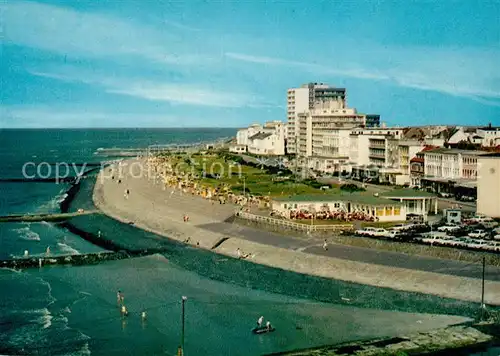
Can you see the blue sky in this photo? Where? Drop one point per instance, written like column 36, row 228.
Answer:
column 228, row 64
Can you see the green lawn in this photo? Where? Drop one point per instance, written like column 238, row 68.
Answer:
column 256, row 181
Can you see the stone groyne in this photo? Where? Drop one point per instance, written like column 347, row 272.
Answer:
column 454, row 340
column 76, row 260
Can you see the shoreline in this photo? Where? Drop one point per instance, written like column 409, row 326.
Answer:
column 160, row 210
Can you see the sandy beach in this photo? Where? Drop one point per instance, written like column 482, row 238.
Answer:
column 152, row 206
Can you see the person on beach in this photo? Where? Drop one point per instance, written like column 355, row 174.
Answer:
column 325, row 245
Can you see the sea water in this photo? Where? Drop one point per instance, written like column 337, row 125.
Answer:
column 73, row 310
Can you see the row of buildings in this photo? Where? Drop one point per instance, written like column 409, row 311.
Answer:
column 325, row 136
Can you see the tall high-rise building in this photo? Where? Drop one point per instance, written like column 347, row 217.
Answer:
column 307, row 97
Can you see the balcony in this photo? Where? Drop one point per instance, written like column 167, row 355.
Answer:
column 377, row 144
column 376, row 155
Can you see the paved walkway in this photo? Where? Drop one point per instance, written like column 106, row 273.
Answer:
column 314, row 246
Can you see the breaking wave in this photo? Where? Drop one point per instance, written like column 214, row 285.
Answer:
column 26, row 233
column 68, row 249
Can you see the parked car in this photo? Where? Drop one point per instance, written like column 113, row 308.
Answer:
column 478, row 244
column 496, row 237
column 445, row 195
column 449, row 228
column 367, row 231
column 479, row 218
column 493, row 246
column 489, row 223
column 380, row 232
column 478, row 234
column 433, row 237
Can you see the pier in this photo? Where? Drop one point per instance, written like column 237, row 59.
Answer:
column 44, row 217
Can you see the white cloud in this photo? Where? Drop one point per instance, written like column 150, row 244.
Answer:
column 189, row 94
column 69, row 32
column 471, row 73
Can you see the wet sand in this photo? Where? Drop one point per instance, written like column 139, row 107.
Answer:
column 152, row 207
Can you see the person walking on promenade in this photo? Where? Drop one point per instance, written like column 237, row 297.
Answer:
column 325, row 245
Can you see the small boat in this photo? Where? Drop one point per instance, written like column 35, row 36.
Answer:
column 262, row 330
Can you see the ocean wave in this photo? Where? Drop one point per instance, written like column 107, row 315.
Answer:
column 46, row 318
column 27, row 234
column 17, row 271
column 66, row 248
column 53, row 204
column 40, row 316
column 85, row 350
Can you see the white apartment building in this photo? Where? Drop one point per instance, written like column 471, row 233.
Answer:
column 301, row 100
column 450, row 164
column 243, row 134
column 319, row 132
column 490, row 136
column 267, row 139
column 372, row 146
column 382, row 155
column 488, row 185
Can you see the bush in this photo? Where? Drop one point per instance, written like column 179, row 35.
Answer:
column 351, row 188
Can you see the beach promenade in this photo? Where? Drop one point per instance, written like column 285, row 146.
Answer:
column 151, row 206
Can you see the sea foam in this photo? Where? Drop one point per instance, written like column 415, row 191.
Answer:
column 27, row 234
column 68, row 249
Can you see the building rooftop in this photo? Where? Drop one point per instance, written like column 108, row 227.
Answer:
column 454, row 151
column 359, row 198
column 260, row 136
column 406, row 193
column 491, row 155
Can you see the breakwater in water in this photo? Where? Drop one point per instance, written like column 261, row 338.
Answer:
column 43, row 217
column 82, row 259
column 456, row 340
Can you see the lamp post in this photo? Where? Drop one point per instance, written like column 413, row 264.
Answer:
column 483, row 306
column 180, row 352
